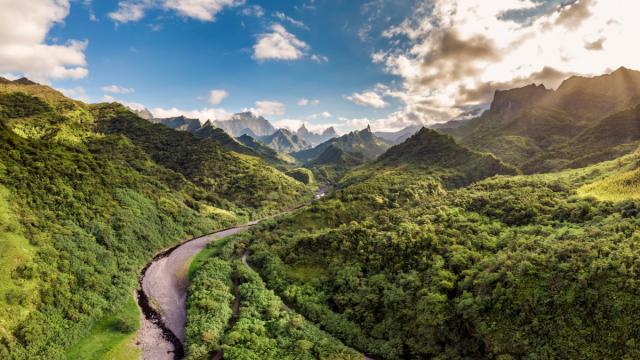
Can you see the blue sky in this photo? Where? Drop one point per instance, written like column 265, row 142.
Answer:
column 171, row 60
column 388, row 63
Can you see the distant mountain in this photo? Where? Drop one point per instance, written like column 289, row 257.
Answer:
column 284, row 141
column 315, row 138
column 611, row 137
column 510, row 103
column 237, row 125
column 263, row 149
column 428, row 148
column 179, row 123
column 249, row 132
column 397, row 137
column 208, row 131
column 536, row 126
column 588, row 99
column 335, row 156
column 144, row 113
column 364, row 142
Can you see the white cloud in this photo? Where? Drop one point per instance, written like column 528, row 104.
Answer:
column 204, row 10
column 115, row 89
column 129, row 10
column 254, row 10
column 201, row 114
column 306, row 102
column 216, row 96
column 286, row 18
column 319, row 58
column 131, row 105
column 289, row 124
column 266, row 108
column 460, row 51
column 326, row 114
column 24, row 26
column 279, row 44
column 368, row 98
column 76, row 93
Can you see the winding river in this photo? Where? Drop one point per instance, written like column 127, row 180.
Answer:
column 162, row 295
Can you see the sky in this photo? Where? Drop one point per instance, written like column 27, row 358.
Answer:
column 342, row 63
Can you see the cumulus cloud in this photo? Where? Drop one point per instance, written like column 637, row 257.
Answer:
column 24, row 26
column 453, row 54
column 115, row 89
column 267, row 108
column 129, row 11
column 368, row 98
column 279, row 44
column 306, row 102
column 216, row 96
column 204, row 10
column 200, row 114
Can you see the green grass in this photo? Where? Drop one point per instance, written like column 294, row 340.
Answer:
column 616, row 187
column 16, row 283
column 112, row 337
column 211, row 250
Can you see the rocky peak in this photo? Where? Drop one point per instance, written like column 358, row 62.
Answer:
column 510, row 103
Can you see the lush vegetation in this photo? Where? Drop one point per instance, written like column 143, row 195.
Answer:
column 303, row 175
column 88, row 193
column 264, row 328
column 585, row 121
column 509, row 267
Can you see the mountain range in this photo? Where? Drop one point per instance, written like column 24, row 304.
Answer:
column 364, row 142
column 434, row 243
column 585, row 120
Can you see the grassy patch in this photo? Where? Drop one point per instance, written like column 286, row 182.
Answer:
column 212, row 249
column 112, row 337
column 617, row 187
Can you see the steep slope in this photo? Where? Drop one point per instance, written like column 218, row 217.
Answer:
column 264, row 150
column 591, row 99
column 534, row 123
column 201, row 160
column 397, row 137
column 284, row 141
column 246, row 120
column 430, row 149
column 179, row 123
column 209, row 131
column 611, row 137
column 363, row 141
column 400, row 267
column 87, row 194
column 314, row 138
column 525, row 136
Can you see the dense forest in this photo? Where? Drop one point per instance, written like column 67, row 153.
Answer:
column 88, row 194
column 438, row 247
column 510, row 267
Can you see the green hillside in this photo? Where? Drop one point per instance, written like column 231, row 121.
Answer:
column 400, row 265
column 363, row 142
column 88, row 193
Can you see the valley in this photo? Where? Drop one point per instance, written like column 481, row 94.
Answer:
column 494, row 238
